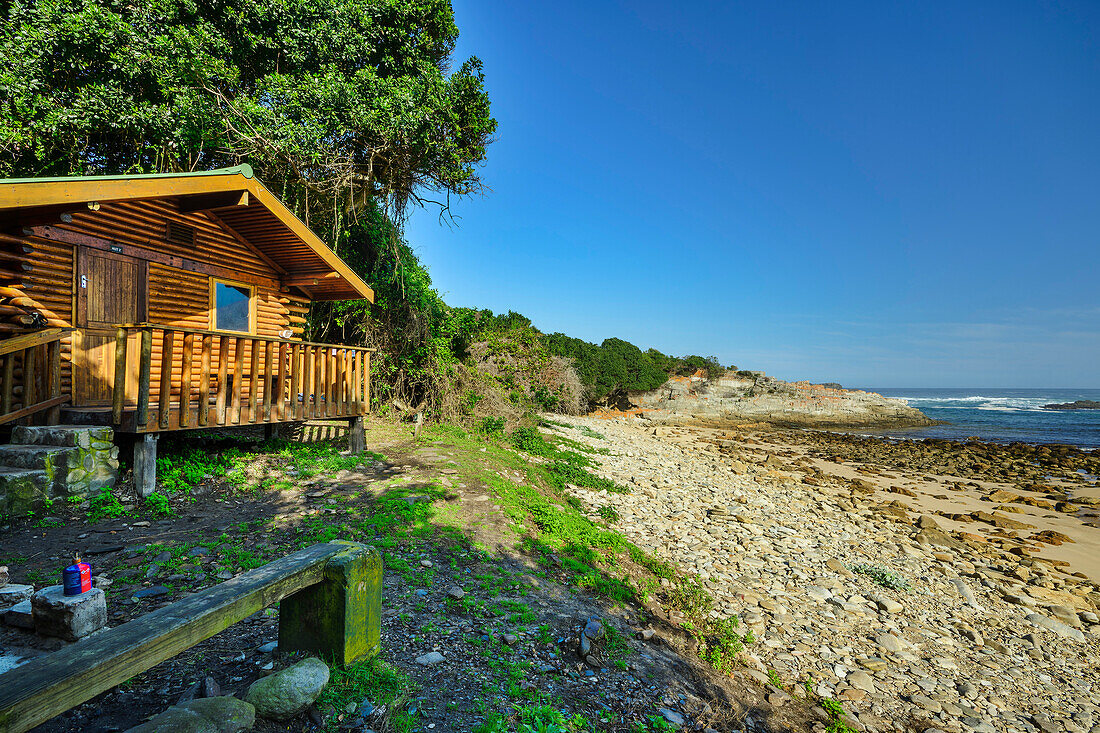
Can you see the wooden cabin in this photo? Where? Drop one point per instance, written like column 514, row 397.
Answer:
column 167, row 302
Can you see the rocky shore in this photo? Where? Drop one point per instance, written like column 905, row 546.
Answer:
column 752, row 396
column 929, row 586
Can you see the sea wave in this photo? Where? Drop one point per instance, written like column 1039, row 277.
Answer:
column 980, row 402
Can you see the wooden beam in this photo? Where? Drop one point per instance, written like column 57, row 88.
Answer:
column 53, row 683
column 310, row 278
column 19, row 343
column 208, row 201
column 162, row 258
column 245, row 243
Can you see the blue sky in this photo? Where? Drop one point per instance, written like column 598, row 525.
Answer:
column 891, row 194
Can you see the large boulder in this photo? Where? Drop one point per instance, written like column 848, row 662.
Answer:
column 290, row 692
column 207, row 715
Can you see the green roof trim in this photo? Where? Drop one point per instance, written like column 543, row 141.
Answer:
column 244, row 169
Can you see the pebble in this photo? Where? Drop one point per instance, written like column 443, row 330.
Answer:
column 430, row 659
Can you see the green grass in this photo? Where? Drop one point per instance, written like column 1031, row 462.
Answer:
column 883, row 577
column 373, row 680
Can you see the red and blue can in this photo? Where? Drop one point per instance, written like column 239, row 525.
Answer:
column 77, row 578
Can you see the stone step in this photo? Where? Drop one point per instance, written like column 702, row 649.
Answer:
column 36, row 457
column 66, row 436
column 22, row 490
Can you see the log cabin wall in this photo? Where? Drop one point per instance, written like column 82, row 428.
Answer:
column 37, row 276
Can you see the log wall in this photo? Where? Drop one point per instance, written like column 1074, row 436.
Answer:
column 38, row 288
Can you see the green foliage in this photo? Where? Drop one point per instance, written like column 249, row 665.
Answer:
column 616, row 365
column 159, row 505
column 883, row 577
column 338, row 98
column 181, row 466
column 105, row 505
column 608, row 513
column 372, row 680
column 492, row 425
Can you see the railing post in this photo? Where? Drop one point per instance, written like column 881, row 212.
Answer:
column 9, row 384
column 53, row 358
column 145, row 370
column 167, row 358
column 185, row 379
column 223, row 364
column 118, row 396
column 340, row 617
column 204, row 385
column 238, row 379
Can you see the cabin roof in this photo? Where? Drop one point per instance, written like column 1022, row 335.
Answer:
column 232, row 196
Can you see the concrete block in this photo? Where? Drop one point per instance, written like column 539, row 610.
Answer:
column 20, row 616
column 68, row 617
column 13, row 593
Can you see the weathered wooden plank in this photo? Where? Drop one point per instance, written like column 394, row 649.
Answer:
column 144, row 375
column 266, row 416
column 280, row 384
column 238, row 380
column 295, row 379
column 185, row 379
column 253, row 375
column 204, row 381
column 51, row 684
column 53, row 361
column 27, row 411
column 223, row 387
column 8, row 383
column 167, row 359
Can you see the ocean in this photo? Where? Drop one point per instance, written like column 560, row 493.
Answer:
column 1000, row 415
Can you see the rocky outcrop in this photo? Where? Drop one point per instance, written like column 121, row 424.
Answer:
column 1075, row 405
column 738, row 398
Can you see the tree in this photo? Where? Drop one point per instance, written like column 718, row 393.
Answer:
column 334, row 102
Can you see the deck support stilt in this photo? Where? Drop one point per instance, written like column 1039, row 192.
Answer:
column 357, row 436
column 145, row 464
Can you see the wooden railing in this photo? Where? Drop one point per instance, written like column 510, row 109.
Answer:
column 331, row 603
column 186, row 378
column 31, row 376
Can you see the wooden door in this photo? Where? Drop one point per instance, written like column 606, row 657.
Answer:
column 110, row 290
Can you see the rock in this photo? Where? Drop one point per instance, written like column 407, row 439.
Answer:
column 211, row 688
column 13, row 593
column 68, row 617
column 674, row 718
column 430, row 659
column 209, row 715
column 190, row 693
column 155, row 591
column 20, row 616
column 593, row 629
column 889, row 642
column 926, row 522
column 839, row 568
column 1056, row 626
column 285, row 694
column 510, row 639
column 887, row 604
column 646, row 634
column 268, row 648
column 3, row 575
column 861, row 680
column 456, row 593
column 966, row 593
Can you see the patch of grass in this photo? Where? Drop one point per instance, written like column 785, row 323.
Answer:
column 719, row 644
column 159, row 505
column 376, row 681
column 105, row 505
column 608, row 513
column 883, row 577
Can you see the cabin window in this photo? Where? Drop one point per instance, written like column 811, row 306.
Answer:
column 231, row 307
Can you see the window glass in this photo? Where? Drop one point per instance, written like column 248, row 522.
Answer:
column 231, row 304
